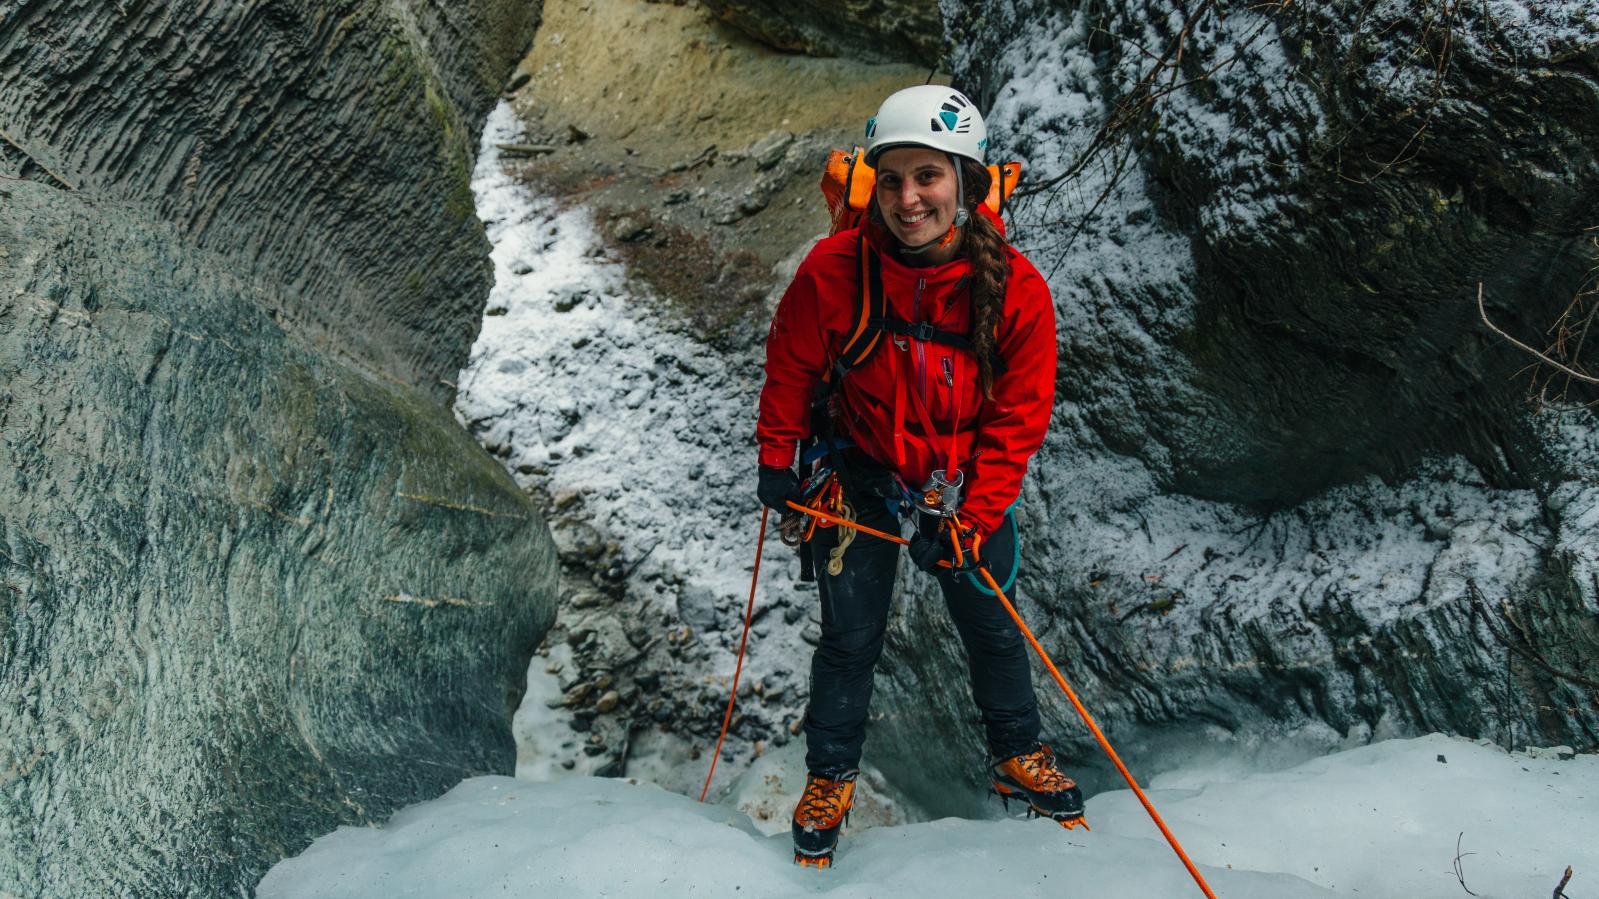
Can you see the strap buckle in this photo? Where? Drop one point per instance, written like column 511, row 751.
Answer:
column 941, row 495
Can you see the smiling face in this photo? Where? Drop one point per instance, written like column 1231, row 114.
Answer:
column 916, row 190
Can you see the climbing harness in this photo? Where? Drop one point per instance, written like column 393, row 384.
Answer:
column 955, row 529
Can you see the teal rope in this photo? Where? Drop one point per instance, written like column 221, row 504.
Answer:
column 1015, row 560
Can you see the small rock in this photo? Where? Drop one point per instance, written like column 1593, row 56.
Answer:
column 495, row 310
column 608, row 702
column 566, row 302
column 1563, row 753
column 793, row 614
column 697, row 606
column 812, row 634
column 604, row 682
column 769, row 150
column 594, row 749
column 1442, row 760
column 516, row 82
column 568, row 764
column 726, row 216
column 575, row 135
column 576, row 695
column 587, row 599
column 582, row 725
column 628, row 228
column 753, row 201
column 521, row 267
column 565, row 498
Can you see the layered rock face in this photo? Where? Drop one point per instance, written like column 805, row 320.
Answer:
column 256, row 580
column 908, row 31
column 1288, row 482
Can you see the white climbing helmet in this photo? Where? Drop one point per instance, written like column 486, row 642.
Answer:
column 928, row 115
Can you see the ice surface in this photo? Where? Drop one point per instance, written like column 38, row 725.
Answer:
column 1378, row 821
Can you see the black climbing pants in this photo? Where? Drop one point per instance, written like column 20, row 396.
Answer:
column 855, row 613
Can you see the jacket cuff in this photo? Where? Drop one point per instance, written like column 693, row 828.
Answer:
column 776, row 456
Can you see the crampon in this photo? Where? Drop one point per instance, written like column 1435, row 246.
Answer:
column 1033, row 780
column 822, row 810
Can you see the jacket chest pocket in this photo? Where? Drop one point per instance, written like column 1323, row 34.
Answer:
column 951, row 385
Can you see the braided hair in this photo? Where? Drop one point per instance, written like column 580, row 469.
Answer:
column 984, row 247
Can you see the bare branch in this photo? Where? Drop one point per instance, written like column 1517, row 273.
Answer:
column 1500, row 331
column 1526, row 652
column 1460, row 871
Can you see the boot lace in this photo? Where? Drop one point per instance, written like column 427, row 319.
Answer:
column 1039, row 765
column 823, row 801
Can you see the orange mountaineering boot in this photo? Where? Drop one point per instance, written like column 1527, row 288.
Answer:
column 822, row 810
column 1033, row 778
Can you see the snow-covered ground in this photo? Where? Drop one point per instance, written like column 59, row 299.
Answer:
column 1380, row 821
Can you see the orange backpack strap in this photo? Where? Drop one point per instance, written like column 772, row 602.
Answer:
column 871, row 305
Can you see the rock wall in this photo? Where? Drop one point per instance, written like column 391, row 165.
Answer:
column 908, row 31
column 1288, row 484
column 256, row 581
column 277, row 134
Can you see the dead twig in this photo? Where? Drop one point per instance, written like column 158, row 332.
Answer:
column 1481, row 310
column 1460, row 871
column 1526, row 652
column 1561, row 887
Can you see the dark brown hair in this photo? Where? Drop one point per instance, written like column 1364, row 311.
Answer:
column 983, row 245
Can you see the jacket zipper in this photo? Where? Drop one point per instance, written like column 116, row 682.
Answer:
column 921, row 352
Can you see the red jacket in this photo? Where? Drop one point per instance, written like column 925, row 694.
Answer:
column 992, row 439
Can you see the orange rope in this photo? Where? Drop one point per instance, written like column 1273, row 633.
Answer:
column 1089, row 720
column 834, row 519
column 749, row 615
column 1048, row 663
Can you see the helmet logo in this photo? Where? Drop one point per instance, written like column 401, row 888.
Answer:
column 871, row 126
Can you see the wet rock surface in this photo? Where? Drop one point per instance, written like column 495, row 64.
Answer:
column 256, row 582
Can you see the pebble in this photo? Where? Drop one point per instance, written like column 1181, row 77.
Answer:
column 627, row 228
column 769, row 150
column 608, row 702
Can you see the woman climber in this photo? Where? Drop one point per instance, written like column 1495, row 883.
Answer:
column 915, row 356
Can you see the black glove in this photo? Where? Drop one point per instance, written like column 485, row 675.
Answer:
column 777, row 486
column 926, row 552
column 934, row 554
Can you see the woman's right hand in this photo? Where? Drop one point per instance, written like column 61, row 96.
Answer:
column 777, row 486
